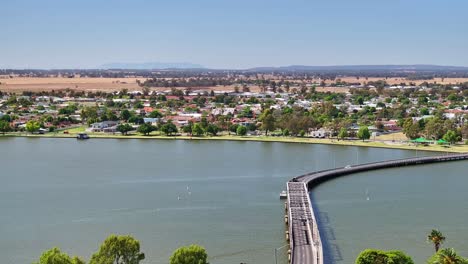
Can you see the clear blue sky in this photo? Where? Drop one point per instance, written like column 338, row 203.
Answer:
column 232, row 33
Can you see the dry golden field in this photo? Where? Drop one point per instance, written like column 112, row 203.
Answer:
column 19, row 84
column 395, row 81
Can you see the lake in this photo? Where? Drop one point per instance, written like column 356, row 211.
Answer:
column 223, row 195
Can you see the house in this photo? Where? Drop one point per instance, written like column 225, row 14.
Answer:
column 243, row 121
column 111, row 129
column 192, row 115
column 391, row 125
column 104, row 126
column 320, row 133
column 148, row 109
column 153, row 121
column 43, row 99
column 182, row 120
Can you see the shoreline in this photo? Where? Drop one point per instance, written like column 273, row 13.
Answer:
column 304, row 140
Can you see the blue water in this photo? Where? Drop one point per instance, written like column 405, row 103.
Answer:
column 222, row 195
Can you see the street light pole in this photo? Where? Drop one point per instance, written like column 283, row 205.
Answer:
column 276, row 253
column 276, row 256
column 357, row 156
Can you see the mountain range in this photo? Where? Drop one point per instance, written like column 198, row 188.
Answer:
column 188, row 65
column 151, row 65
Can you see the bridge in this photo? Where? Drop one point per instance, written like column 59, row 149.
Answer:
column 303, row 233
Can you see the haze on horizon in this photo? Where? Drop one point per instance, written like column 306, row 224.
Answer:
column 232, row 34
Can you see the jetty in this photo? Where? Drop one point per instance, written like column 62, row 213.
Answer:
column 305, row 245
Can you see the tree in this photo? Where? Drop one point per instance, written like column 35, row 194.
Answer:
column 450, row 136
column 136, row 119
column 203, row 122
column 197, row 130
column 223, row 122
column 435, row 128
column 241, row 130
column 363, row 133
column 55, row 256
column 125, row 115
column 146, row 128
column 192, row 254
column 360, row 100
column 32, row 126
column 11, row 100
column 424, row 111
column 436, row 238
column 464, row 130
column 268, row 121
column 146, row 91
column 109, row 115
column 118, row 250
column 212, row 129
column 375, row 256
column 187, row 129
column 343, row 133
column 380, row 126
column 302, row 133
column 233, row 128
column 411, row 129
column 155, row 114
column 169, row 129
column 124, row 128
column 446, row 256
column 89, row 112
column 4, row 126
column 6, row 118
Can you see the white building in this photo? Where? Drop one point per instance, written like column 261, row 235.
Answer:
column 321, row 133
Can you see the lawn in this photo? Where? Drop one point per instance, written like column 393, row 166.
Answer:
column 304, row 140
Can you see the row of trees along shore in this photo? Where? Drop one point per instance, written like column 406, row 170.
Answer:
column 126, row 250
column 441, row 256
column 288, row 124
column 123, row 250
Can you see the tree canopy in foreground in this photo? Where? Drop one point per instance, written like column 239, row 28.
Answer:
column 55, row 256
column 118, row 250
column 446, row 256
column 436, row 238
column 192, row 254
column 375, row 256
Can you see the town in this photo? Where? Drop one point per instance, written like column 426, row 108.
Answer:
column 258, row 104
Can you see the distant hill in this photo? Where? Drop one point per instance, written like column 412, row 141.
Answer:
column 152, row 66
column 302, row 68
column 416, row 67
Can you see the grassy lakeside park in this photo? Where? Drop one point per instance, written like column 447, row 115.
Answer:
column 385, row 142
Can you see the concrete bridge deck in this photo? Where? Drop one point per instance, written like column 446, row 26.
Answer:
column 304, row 237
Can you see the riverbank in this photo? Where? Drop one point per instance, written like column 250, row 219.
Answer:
column 302, row 140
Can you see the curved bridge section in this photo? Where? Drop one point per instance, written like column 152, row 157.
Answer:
column 303, row 234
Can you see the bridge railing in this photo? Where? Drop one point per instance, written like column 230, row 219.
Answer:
column 316, row 240
column 291, row 235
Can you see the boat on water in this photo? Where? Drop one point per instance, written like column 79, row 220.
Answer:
column 82, row 136
column 283, row 195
